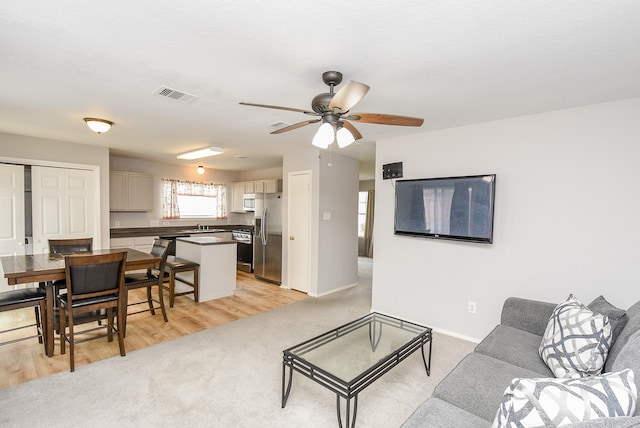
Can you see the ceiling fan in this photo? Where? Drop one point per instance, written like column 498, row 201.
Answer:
column 333, row 111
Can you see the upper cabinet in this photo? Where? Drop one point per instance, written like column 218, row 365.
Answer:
column 237, row 193
column 241, row 188
column 273, row 185
column 130, row 191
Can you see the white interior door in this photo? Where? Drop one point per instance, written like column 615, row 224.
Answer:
column 299, row 248
column 11, row 214
column 63, row 205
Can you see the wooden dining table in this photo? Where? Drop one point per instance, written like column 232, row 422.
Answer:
column 46, row 268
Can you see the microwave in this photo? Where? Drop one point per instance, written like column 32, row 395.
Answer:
column 249, row 202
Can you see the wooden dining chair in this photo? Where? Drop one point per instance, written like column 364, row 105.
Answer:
column 68, row 246
column 25, row 298
column 95, row 288
column 152, row 278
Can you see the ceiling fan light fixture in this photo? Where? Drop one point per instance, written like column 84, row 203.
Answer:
column 202, row 153
column 98, row 126
column 324, row 137
column 344, row 137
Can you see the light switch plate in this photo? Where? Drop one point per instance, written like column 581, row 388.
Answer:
column 326, row 216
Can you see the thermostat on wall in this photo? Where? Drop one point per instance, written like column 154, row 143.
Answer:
column 392, row 170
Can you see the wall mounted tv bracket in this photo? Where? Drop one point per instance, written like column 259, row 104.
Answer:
column 392, row 170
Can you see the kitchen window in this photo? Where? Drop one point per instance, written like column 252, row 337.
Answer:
column 190, row 199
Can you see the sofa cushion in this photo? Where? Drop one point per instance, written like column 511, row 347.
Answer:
column 629, row 358
column 633, row 325
column 478, row 383
column 576, row 341
column 436, row 413
column 617, row 317
column 550, row 402
column 525, row 314
column 515, row 346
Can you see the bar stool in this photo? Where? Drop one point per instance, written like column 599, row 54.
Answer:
column 25, row 298
column 176, row 265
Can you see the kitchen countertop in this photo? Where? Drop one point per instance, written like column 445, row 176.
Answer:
column 130, row 232
column 206, row 240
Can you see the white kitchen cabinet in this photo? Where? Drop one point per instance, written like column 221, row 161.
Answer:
column 272, row 186
column 249, row 187
column 140, row 243
column 237, row 193
column 130, row 191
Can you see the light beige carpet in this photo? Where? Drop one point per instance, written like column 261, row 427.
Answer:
column 228, row 376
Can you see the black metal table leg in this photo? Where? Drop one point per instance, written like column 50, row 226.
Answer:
column 285, row 392
column 427, row 365
column 375, row 334
column 350, row 414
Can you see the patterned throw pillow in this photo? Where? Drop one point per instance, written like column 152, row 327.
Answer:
column 529, row 403
column 576, row 341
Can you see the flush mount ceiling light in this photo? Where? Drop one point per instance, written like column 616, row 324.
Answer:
column 99, row 126
column 202, row 153
column 200, row 169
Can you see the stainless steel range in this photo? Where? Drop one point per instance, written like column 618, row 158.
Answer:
column 244, row 238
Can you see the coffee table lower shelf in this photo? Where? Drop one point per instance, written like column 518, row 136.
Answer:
column 361, row 351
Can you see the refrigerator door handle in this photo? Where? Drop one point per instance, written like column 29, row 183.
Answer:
column 264, row 227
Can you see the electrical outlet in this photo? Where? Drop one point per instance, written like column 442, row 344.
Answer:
column 166, row 223
column 117, row 223
column 472, row 307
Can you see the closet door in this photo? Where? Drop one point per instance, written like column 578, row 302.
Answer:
column 63, row 205
column 11, row 214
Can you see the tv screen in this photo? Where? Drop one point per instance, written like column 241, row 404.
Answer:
column 458, row 208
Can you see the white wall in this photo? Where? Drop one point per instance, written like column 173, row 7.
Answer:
column 39, row 149
column 261, row 174
column 334, row 189
column 566, row 217
column 338, row 235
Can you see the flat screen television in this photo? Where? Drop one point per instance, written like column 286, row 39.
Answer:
column 459, row 208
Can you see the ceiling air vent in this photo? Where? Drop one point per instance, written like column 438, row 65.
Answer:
column 176, row 95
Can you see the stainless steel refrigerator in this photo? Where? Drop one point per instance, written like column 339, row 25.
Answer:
column 267, row 243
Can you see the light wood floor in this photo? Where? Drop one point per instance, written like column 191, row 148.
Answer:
column 24, row 361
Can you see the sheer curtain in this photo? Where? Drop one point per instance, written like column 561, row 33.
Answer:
column 368, row 228
column 171, row 188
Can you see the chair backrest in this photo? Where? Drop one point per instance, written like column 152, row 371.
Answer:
column 95, row 275
column 71, row 246
column 160, row 248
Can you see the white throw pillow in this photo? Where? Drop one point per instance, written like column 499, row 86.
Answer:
column 576, row 341
column 551, row 402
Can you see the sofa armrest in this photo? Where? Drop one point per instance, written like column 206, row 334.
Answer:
column 527, row 315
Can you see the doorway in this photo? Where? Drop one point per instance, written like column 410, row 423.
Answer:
column 299, row 248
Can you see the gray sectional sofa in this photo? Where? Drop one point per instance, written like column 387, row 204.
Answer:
column 471, row 394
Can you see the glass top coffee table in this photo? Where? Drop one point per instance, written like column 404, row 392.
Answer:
column 349, row 358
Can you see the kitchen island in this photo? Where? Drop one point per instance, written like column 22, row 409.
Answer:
column 217, row 260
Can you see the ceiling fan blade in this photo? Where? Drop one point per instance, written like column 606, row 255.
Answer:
column 281, row 108
column 357, row 135
column 295, row 126
column 348, row 96
column 385, row 119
